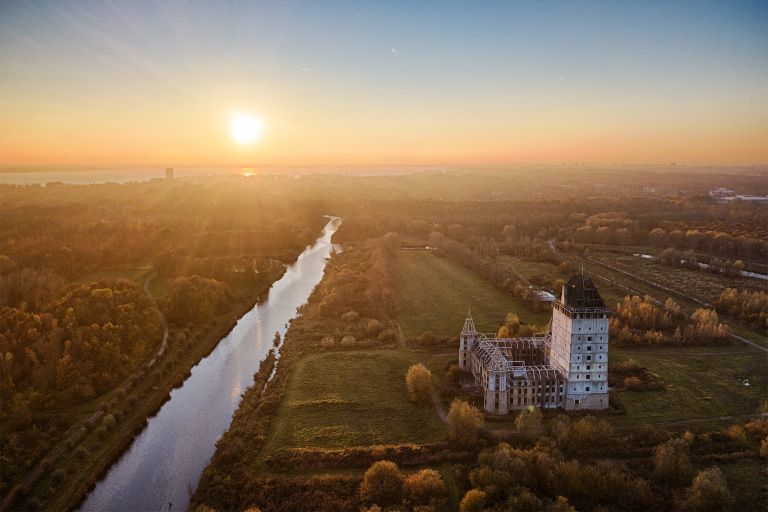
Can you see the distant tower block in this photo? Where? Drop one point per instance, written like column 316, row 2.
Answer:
column 169, row 173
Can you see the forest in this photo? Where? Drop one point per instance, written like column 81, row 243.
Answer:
column 91, row 276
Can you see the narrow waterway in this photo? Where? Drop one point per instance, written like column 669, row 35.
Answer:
column 164, row 463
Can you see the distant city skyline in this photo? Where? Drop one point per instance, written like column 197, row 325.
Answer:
column 382, row 83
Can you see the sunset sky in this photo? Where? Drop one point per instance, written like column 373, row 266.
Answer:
column 355, row 83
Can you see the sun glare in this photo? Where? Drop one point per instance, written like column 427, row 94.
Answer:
column 245, row 128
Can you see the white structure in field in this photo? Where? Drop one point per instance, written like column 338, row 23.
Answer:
column 566, row 367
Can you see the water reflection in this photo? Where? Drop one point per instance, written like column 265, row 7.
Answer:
column 165, row 461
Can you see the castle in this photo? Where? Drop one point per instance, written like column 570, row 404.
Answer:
column 565, row 367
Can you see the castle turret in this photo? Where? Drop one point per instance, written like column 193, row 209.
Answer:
column 580, row 344
column 466, row 341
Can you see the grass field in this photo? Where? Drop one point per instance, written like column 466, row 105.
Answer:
column 437, row 293
column 341, row 399
column 700, row 382
column 528, row 269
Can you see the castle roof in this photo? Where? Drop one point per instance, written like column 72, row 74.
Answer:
column 581, row 292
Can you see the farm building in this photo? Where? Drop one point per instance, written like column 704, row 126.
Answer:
column 567, row 366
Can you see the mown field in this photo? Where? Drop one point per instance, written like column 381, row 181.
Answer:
column 355, row 398
column 436, row 294
column 528, row 269
column 701, row 382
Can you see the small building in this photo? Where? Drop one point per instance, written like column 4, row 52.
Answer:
column 169, row 173
column 566, row 367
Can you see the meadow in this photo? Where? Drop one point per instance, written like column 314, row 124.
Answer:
column 701, row 382
column 437, row 293
column 355, row 398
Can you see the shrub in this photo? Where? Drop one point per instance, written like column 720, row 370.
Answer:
column 672, row 462
column 386, row 335
column 633, row 384
column 81, row 453
column 327, row 342
column 425, row 488
column 764, row 448
column 382, row 484
column 108, row 421
column 529, row 420
column 473, row 501
column 348, row 341
column 418, row 381
column 709, row 492
column 58, row 475
column 464, row 423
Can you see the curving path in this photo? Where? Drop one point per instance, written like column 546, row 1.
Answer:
column 69, row 442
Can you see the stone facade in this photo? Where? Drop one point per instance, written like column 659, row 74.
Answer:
column 565, row 367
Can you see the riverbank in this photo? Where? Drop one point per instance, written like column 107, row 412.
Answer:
column 165, row 461
column 87, row 461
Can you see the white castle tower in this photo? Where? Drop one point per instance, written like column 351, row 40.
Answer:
column 580, row 344
column 466, row 341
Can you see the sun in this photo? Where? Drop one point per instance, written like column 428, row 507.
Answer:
column 245, row 128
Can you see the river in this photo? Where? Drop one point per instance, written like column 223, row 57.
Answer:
column 164, row 463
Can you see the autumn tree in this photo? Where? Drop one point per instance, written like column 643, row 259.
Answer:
column 709, row 492
column 672, row 462
column 382, row 484
column 418, row 381
column 529, row 420
column 425, row 488
column 464, row 423
column 473, row 501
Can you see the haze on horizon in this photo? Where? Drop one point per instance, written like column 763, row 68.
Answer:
column 357, row 83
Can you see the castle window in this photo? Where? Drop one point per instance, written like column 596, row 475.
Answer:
column 589, row 368
column 589, row 338
column 589, row 358
column 588, row 379
column 577, row 402
column 587, row 388
column 589, row 348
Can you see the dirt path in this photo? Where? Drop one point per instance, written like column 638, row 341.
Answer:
column 71, row 440
column 439, row 407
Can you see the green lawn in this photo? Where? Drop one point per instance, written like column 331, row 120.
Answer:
column 437, row 293
column 528, row 269
column 342, row 399
column 698, row 384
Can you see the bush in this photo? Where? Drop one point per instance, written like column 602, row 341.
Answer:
column 473, row 501
column 348, row 341
column 108, row 421
column 58, row 475
column 418, row 381
column 709, row 492
column 425, row 488
column 529, row 420
column 382, row 484
column 672, row 462
column 81, row 453
column 464, row 423
column 764, row 448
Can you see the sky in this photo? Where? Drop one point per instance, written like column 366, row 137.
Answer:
column 383, row 83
